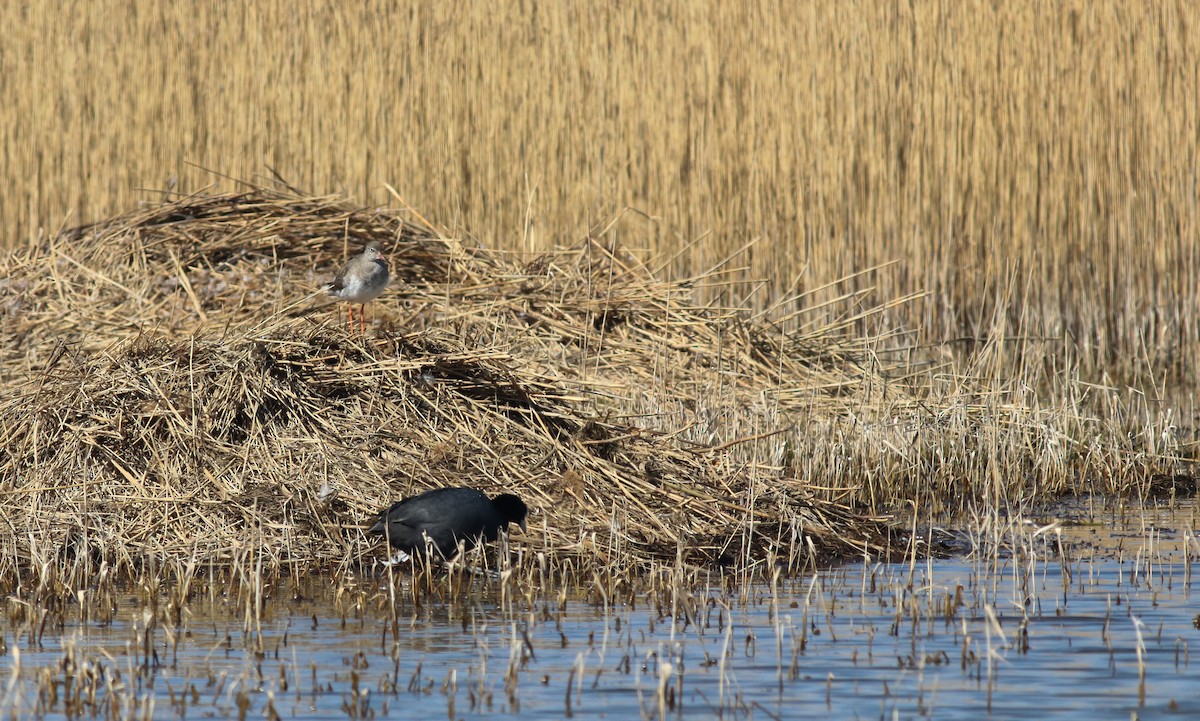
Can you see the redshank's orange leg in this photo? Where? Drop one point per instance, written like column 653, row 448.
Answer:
column 362, row 319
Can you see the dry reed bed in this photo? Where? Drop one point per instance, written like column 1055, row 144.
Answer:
column 175, row 386
column 174, row 389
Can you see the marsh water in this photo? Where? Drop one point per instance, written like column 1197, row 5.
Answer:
column 1110, row 630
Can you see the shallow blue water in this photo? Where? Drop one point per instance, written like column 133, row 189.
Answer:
column 941, row 639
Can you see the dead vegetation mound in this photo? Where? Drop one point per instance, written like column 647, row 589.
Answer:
column 174, row 386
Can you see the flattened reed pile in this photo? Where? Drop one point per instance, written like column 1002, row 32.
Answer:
column 175, row 386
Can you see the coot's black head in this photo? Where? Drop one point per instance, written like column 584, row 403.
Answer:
column 511, row 509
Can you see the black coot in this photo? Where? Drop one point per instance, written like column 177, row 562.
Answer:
column 447, row 516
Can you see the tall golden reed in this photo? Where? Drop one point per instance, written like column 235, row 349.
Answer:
column 1032, row 165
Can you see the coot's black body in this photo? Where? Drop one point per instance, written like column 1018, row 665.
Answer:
column 447, row 516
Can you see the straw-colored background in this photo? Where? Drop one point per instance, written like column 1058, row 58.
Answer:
column 1039, row 158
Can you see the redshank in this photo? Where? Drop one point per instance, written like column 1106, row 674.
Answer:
column 361, row 281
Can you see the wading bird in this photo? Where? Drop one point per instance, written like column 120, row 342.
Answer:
column 361, row 281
